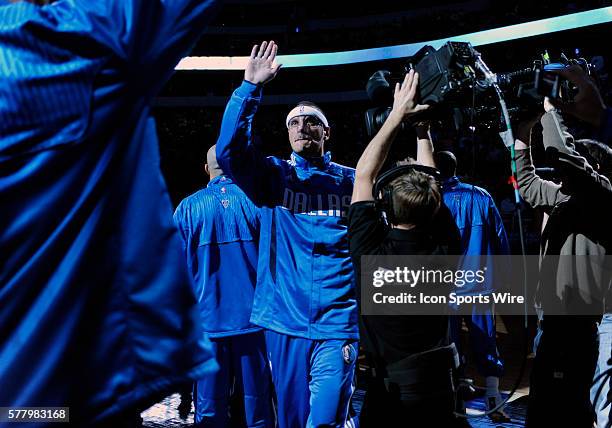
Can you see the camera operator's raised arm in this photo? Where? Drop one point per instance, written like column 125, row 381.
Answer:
column 536, row 191
column 561, row 150
column 375, row 154
column 425, row 148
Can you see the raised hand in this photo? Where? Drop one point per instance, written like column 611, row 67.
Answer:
column 262, row 67
column 588, row 104
column 405, row 97
column 548, row 106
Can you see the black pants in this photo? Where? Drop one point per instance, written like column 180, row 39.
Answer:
column 384, row 408
column 562, row 374
column 415, row 392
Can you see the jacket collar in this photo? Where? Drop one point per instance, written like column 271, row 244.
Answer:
column 219, row 180
column 451, row 182
column 310, row 163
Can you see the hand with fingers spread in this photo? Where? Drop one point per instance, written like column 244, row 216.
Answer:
column 588, row 104
column 262, row 66
column 405, row 98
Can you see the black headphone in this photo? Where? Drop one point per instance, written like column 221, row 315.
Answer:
column 383, row 190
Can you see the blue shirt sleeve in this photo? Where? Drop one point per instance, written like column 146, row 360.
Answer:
column 502, row 246
column 182, row 220
column 258, row 176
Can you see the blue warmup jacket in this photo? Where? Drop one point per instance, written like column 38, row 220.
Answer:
column 220, row 230
column 481, row 228
column 305, row 284
column 97, row 310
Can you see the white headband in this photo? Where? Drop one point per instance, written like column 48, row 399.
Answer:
column 306, row 111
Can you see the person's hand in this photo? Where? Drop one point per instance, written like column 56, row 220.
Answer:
column 548, row 106
column 262, row 67
column 588, row 104
column 405, row 97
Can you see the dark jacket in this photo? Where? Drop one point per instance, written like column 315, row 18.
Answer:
column 578, row 225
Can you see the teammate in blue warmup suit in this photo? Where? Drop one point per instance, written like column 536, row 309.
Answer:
column 305, row 296
column 97, row 309
column 482, row 233
column 220, row 229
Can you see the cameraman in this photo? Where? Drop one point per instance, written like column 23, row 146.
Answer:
column 401, row 344
column 578, row 225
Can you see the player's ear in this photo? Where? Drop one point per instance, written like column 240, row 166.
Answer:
column 326, row 133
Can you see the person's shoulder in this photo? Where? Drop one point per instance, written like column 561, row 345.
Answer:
column 194, row 200
column 285, row 163
column 223, row 186
column 477, row 191
column 235, row 192
column 363, row 209
column 366, row 229
column 482, row 192
column 343, row 170
column 190, row 208
column 288, row 166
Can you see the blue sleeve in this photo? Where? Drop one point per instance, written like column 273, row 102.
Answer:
column 182, row 222
column 258, row 176
column 179, row 221
column 148, row 37
column 502, row 246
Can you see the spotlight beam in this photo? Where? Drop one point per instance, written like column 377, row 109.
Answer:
column 496, row 35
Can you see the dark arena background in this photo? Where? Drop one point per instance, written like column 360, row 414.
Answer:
column 190, row 108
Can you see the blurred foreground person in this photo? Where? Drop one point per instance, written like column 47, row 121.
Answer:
column 97, row 311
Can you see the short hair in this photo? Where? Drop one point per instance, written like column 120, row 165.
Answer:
column 597, row 154
column 446, row 162
column 416, row 198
